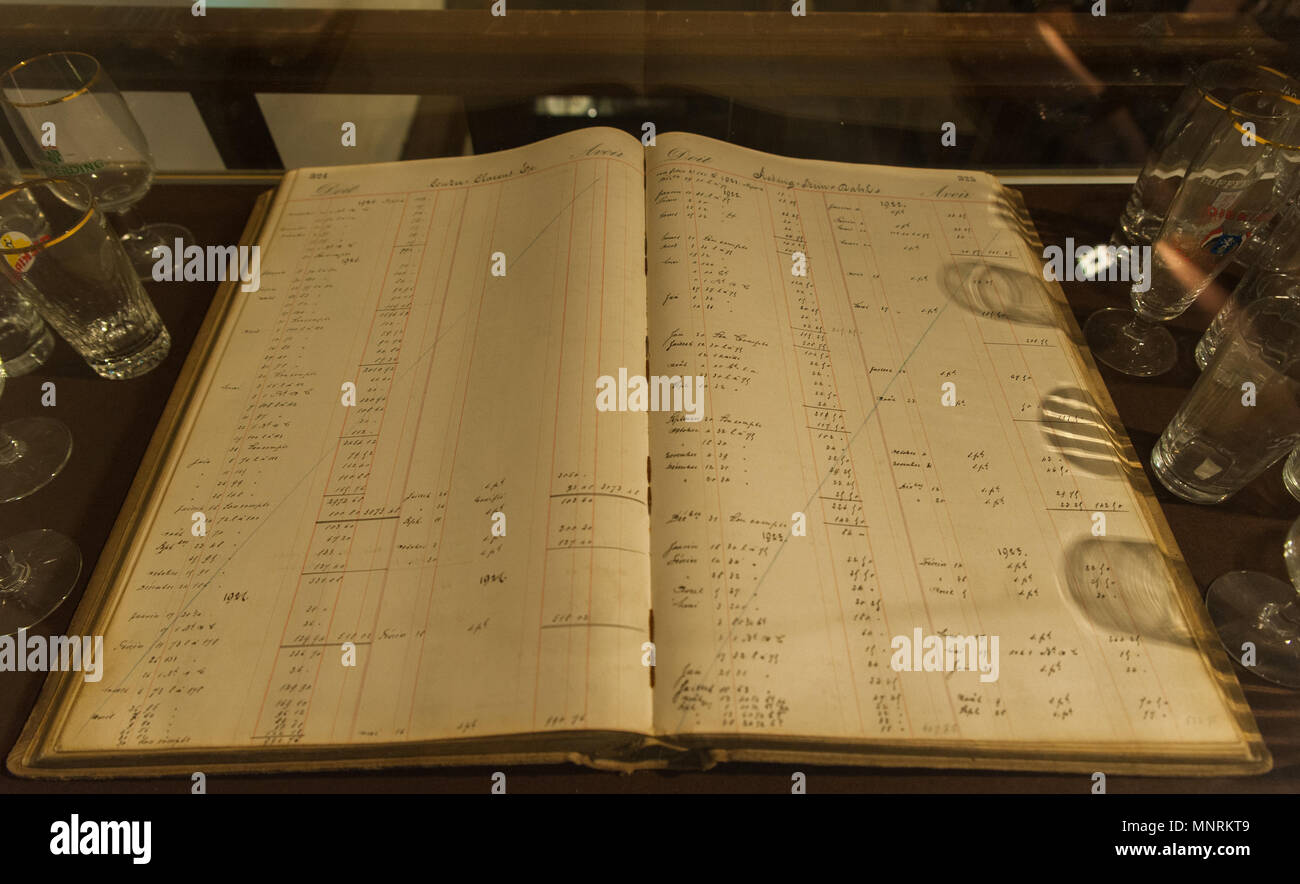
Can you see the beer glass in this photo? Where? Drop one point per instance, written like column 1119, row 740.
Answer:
column 1274, row 270
column 1243, row 413
column 72, row 121
column 1242, row 176
column 61, row 254
column 38, row 569
column 1198, row 111
column 1258, row 617
column 25, row 340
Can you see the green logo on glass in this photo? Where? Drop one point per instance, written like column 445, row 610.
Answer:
column 54, row 166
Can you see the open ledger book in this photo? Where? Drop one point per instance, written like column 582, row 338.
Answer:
column 423, row 542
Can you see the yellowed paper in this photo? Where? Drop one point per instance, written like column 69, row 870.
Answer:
column 395, row 514
column 897, row 449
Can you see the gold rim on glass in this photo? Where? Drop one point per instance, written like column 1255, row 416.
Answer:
column 1223, row 105
column 1265, row 115
column 81, row 90
column 54, row 240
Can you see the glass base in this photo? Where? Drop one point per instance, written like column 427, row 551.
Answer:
column 140, row 244
column 33, row 357
column 1291, row 474
column 42, row 569
column 35, row 452
column 142, row 361
column 1128, row 343
column 1247, row 606
column 1137, row 229
column 1163, row 466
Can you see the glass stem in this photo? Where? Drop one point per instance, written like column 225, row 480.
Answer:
column 10, row 449
column 1135, row 330
column 1290, row 614
column 13, row 573
column 1281, row 620
column 131, row 220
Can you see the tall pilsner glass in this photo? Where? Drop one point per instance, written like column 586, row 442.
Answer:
column 1274, row 270
column 1196, row 114
column 1241, row 178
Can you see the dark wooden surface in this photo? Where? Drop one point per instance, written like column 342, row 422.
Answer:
column 111, row 423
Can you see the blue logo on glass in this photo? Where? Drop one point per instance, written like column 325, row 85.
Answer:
column 1220, row 243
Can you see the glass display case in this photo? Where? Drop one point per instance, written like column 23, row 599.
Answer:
column 1027, row 88
column 1061, row 100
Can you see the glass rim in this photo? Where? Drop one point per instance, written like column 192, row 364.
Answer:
column 1257, row 306
column 80, row 90
column 1271, row 142
column 1201, row 72
column 1254, row 329
column 91, row 206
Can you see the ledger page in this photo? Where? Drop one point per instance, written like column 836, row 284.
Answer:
column 901, row 516
column 393, row 514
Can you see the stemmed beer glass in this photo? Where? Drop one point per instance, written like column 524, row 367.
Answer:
column 38, row 569
column 1241, row 177
column 1258, row 617
column 1197, row 113
column 72, row 121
